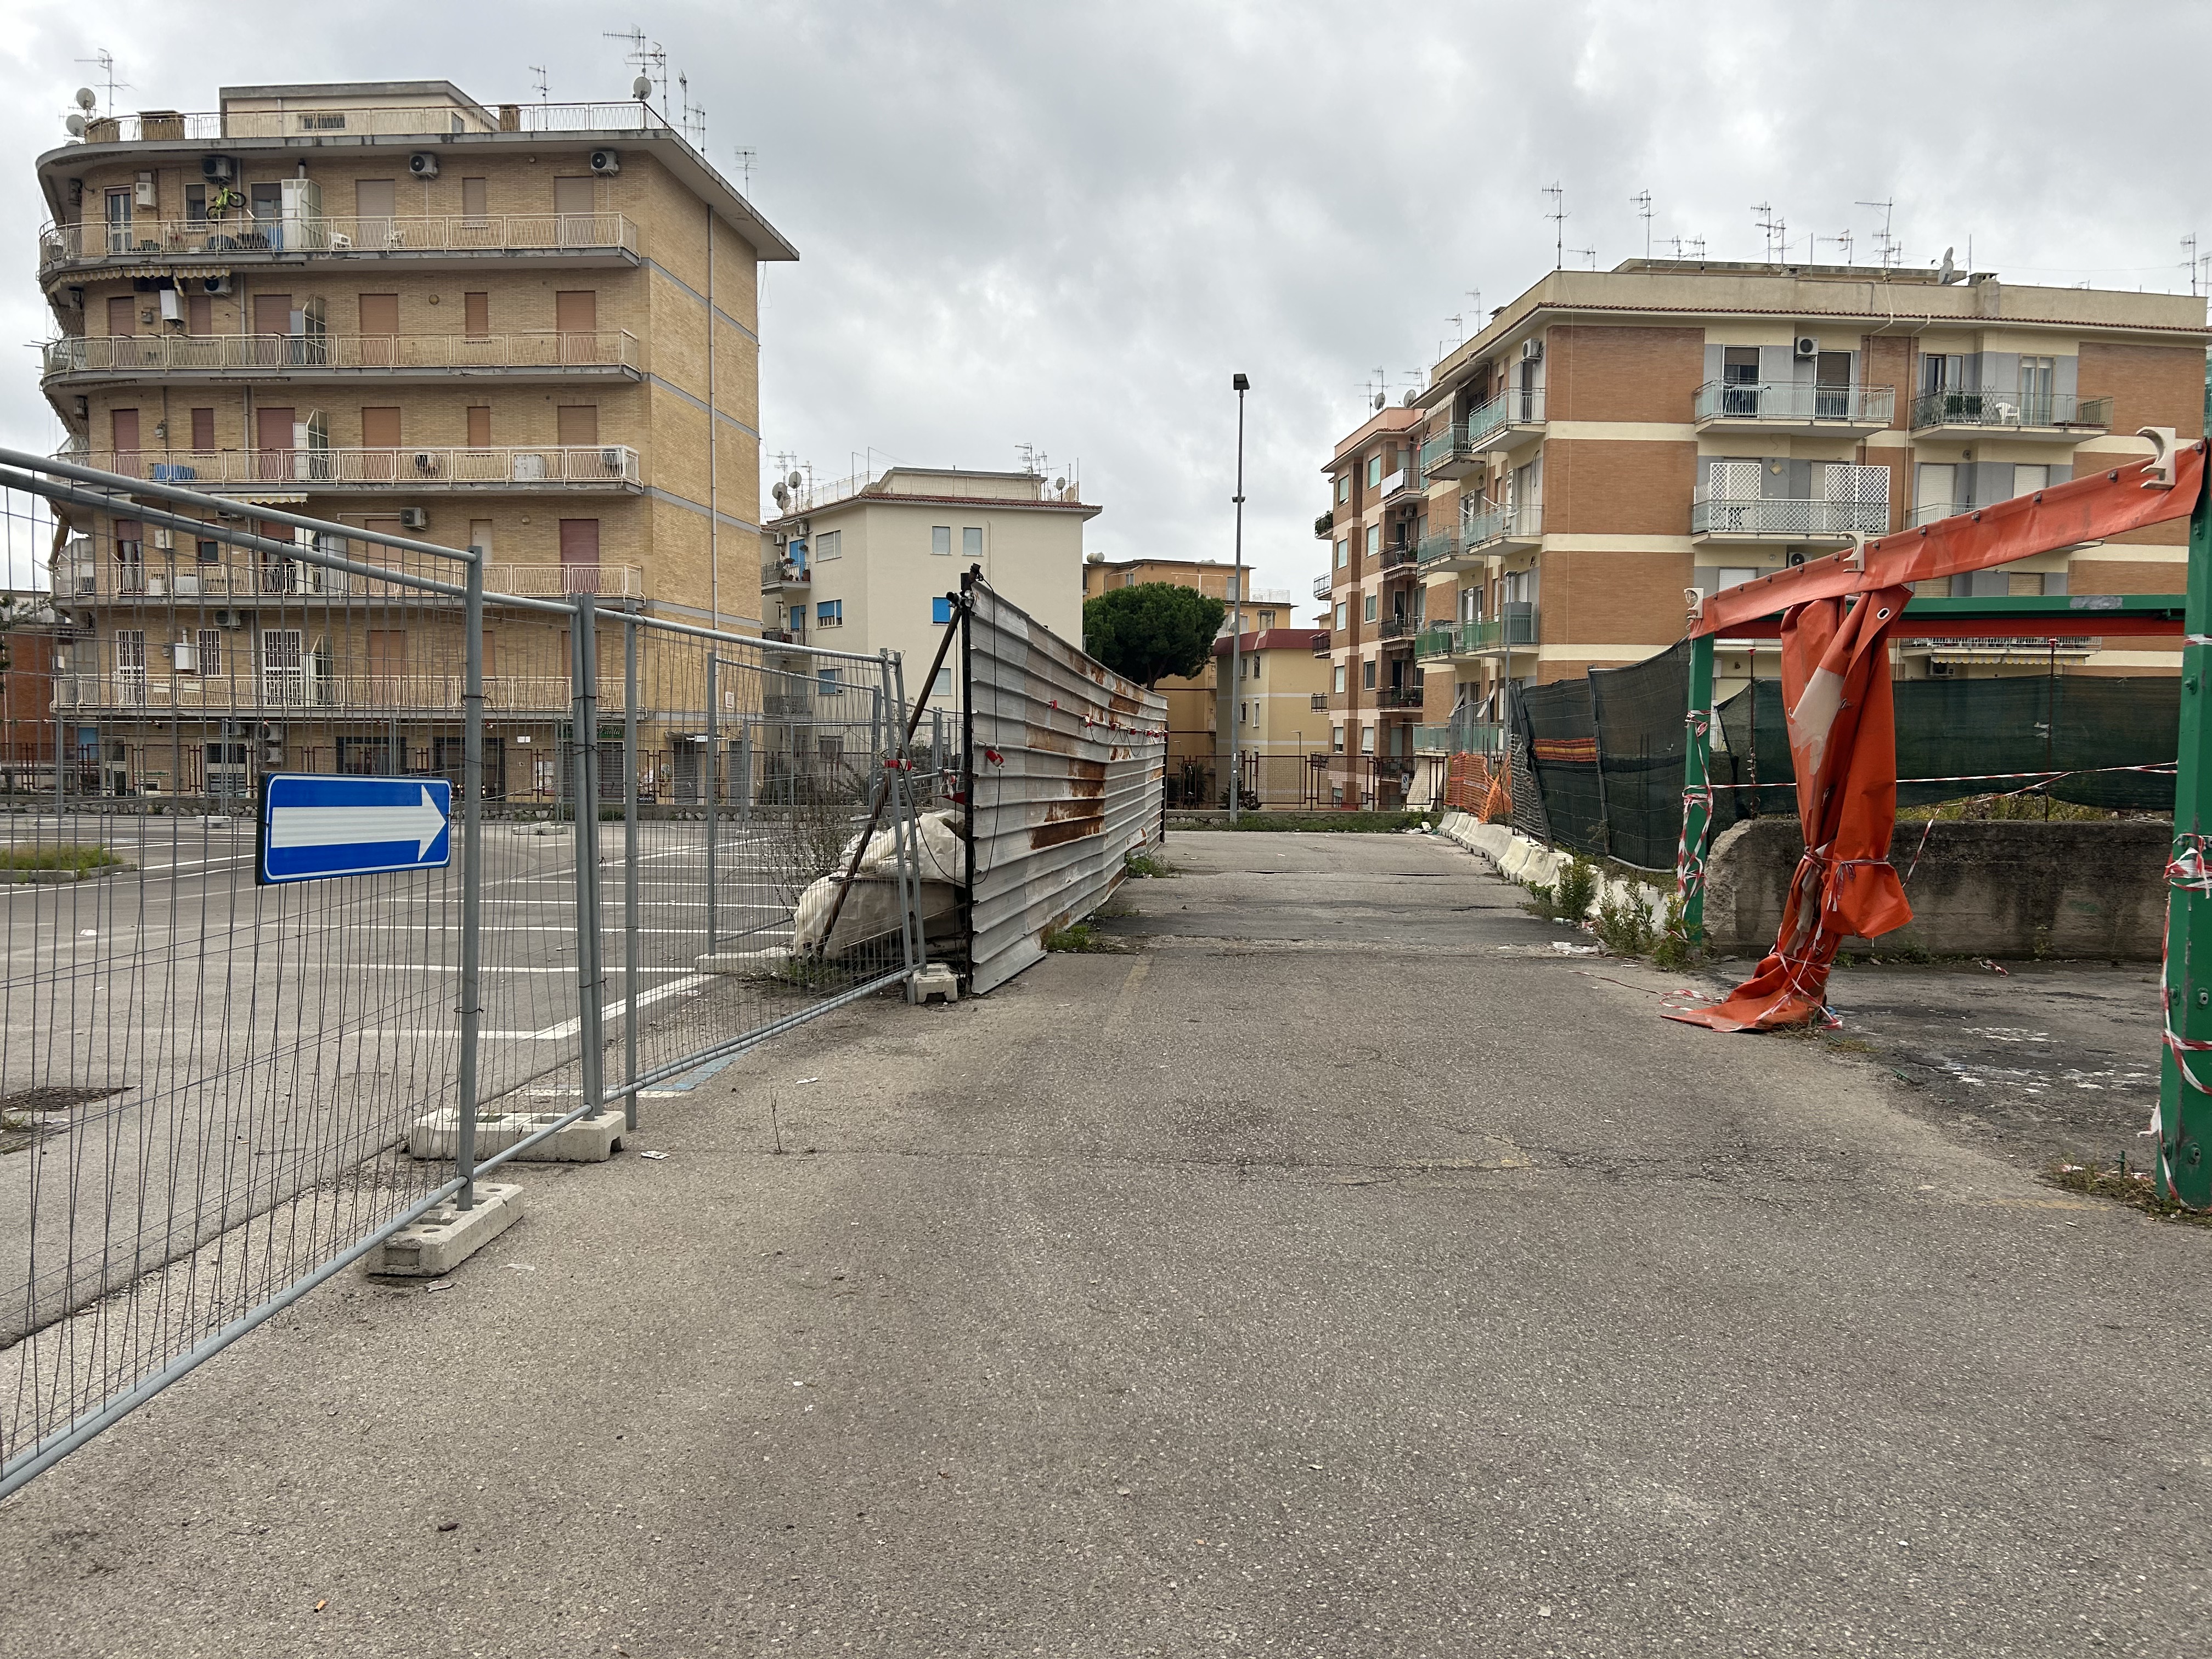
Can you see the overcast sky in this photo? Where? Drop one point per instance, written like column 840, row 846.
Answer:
column 1067, row 226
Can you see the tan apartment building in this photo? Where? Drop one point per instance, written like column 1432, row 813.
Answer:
column 1281, row 690
column 866, row 563
column 1191, row 740
column 1613, row 438
column 528, row 328
column 1379, row 516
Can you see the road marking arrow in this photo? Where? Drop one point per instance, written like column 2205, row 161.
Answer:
column 421, row 823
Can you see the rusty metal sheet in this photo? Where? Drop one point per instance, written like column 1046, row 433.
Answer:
column 1075, row 787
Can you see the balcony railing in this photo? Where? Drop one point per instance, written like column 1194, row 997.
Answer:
column 1441, row 640
column 337, row 234
column 1323, row 584
column 1396, row 626
column 2010, row 410
column 1461, row 737
column 259, row 691
column 556, row 467
column 1398, row 696
column 1788, row 516
column 1400, row 555
column 1500, row 524
column 1786, row 401
column 1321, row 644
column 291, row 354
column 1406, row 480
column 1501, row 415
column 424, row 121
column 1325, row 526
column 783, row 572
column 1448, row 454
column 1437, row 544
column 191, row 585
column 1514, row 630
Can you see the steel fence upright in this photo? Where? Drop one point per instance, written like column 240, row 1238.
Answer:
column 906, row 817
column 590, row 981
column 630, row 869
column 465, row 1096
column 710, row 785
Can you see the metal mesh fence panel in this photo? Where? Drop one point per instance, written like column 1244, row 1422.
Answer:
column 1562, row 744
column 1068, row 764
column 1636, row 713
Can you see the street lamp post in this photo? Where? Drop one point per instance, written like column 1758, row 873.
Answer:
column 1240, row 385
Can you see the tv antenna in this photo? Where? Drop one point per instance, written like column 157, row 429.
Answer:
column 1481, row 317
column 645, row 56
column 1589, row 253
column 1885, row 247
column 746, row 160
column 1557, row 215
column 2195, row 265
column 104, row 61
column 1844, row 243
column 542, row 86
column 1643, row 200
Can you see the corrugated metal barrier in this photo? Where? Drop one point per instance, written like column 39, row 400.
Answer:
column 1067, row 764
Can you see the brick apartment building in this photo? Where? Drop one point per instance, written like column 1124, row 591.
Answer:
column 1612, row 438
column 529, row 328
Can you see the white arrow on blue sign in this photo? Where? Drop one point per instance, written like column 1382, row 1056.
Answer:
column 313, row 826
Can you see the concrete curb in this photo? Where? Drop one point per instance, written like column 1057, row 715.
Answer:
column 1531, row 864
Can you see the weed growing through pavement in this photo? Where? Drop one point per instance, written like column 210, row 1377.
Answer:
column 2130, row 1186
column 1145, row 865
column 1079, row 938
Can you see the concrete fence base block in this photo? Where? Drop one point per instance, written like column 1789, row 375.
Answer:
column 587, row 1141
column 745, row 965
column 933, row 983
column 447, row 1236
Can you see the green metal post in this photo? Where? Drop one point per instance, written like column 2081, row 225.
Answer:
column 1697, row 793
column 2184, row 1113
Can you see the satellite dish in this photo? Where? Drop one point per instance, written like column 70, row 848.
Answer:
column 641, row 87
column 795, row 480
column 76, row 125
column 1059, row 484
column 86, row 98
column 782, row 495
column 1411, row 398
column 1380, row 400
column 1950, row 270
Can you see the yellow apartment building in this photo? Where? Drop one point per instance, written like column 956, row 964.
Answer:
column 1285, row 713
column 527, row 328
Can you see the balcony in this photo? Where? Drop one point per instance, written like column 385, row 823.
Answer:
column 576, row 239
column 540, row 356
column 1783, row 520
column 1506, row 421
column 419, row 121
column 2052, row 417
column 1470, row 641
column 583, row 468
column 1495, row 530
column 1405, row 482
column 783, row 572
column 1448, row 455
column 1325, row 526
column 1323, row 584
column 1843, row 411
column 1397, row 626
column 133, row 691
column 127, row 582
column 1399, row 558
column 1321, row 644
column 1461, row 737
column 1438, row 643
column 1442, row 551
column 1392, row 699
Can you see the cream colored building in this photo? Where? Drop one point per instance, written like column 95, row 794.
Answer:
column 865, row 564
column 529, row 328
column 1281, row 694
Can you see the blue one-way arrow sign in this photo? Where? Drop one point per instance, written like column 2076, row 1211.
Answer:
column 316, row 826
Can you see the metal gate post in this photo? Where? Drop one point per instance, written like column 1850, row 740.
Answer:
column 472, row 1010
column 630, row 869
column 711, row 787
column 2184, row 1113
column 590, row 977
column 1697, row 792
column 905, row 820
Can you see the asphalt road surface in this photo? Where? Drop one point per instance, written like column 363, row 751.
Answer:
column 1336, row 1271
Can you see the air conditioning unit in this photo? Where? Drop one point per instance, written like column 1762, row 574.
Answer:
column 143, row 195
column 164, row 538
column 215, row 284
column 606, row 160
column 218, row 169
column 229, row 619
column 423, row 164
column 414, row 518
column 1532, row 351
column 1805, row 348
column 157, row 587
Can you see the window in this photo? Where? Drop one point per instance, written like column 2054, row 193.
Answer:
column 1339, row 679
column 1320, row 703
column 1367, row 609
column 196, row 203
column 476, row 316
column 1253, row 671
column 1340, row 609
column 1936, row 492
column 479, row 417
column 1267, row 620
column 1336, row 743
column 473, row 198
column 971, row 541
column 199, row 314
column 940, row 540
column 2038, row 382
column 1366, row 739
column 209, row 642
column 480, row 536
column 830, row 613
column 1367, row 675
column 830, row 682
column 1375, row 470
column 827, row 545
column 1730, row 575
column 1344, row 486
column 1343, row 552
column 1373, row 539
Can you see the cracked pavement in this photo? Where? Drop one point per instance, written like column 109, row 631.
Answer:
column 1332, row 1271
